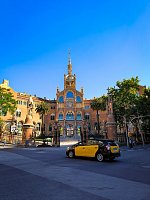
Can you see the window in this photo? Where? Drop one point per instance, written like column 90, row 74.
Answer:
column 79, row 116
column 87, row 116
column 70, row 95
column 78, row 99
column 53, row 107
column 86, row 107
column 70, row 116
column 19, row 102
column 25, row 103
column 18, row 113
column 52, row 117
column 60, row 117
column 92, row 142
column 61, row 99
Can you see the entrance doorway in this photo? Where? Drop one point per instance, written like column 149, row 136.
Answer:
column 69, row 130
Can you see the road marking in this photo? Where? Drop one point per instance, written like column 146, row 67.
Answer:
column 98, row 184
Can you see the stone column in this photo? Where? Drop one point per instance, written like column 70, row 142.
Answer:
column 28, row 125
column 27, row 129
column 111, row 124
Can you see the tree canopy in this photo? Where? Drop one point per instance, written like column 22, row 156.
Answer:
column 99, row 104
column 42, row 109
column 7, row 102
column 125, row 95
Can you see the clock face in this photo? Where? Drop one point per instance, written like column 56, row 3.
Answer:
column 70, row 78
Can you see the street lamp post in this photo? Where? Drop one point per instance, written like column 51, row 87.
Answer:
column 85, row 132
column 57, row 134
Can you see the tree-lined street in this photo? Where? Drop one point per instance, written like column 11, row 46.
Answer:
column 46, row 173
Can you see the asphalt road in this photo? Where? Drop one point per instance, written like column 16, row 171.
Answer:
column 46, row 174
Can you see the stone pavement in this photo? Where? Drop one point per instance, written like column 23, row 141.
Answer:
column 90, row 183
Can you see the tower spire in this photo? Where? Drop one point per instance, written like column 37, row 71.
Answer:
column 69, row 57
column 69, row 63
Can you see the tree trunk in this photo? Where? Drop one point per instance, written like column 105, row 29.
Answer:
column 98, row 128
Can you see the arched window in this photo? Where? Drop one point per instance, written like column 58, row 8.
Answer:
column 61, row 99
column 79, row 116
column 70, row 95
column 78, row 99
column 60, row 117
column 70, row 116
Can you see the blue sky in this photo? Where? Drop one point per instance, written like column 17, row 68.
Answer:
column 109, row 41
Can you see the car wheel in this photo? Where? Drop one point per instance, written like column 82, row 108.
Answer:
column 70, row 154
column 99, row 157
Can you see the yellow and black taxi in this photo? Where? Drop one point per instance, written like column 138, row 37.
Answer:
column 100, row 149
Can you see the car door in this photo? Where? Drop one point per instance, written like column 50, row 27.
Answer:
column 80, row 150
column 91, row 150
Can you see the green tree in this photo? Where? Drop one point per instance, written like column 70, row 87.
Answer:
column 42, row 109
column 142, row 111
column 125, row 96
column 99, row 104
column 143, row 103
column 7, row 102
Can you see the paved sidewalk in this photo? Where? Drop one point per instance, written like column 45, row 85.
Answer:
column 136, row 147
column 65, row 144
column 3, row 146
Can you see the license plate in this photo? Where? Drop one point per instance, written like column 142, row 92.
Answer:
column 114, row 150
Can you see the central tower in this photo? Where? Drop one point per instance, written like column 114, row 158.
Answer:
column 69, row 105
column 69, row 79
